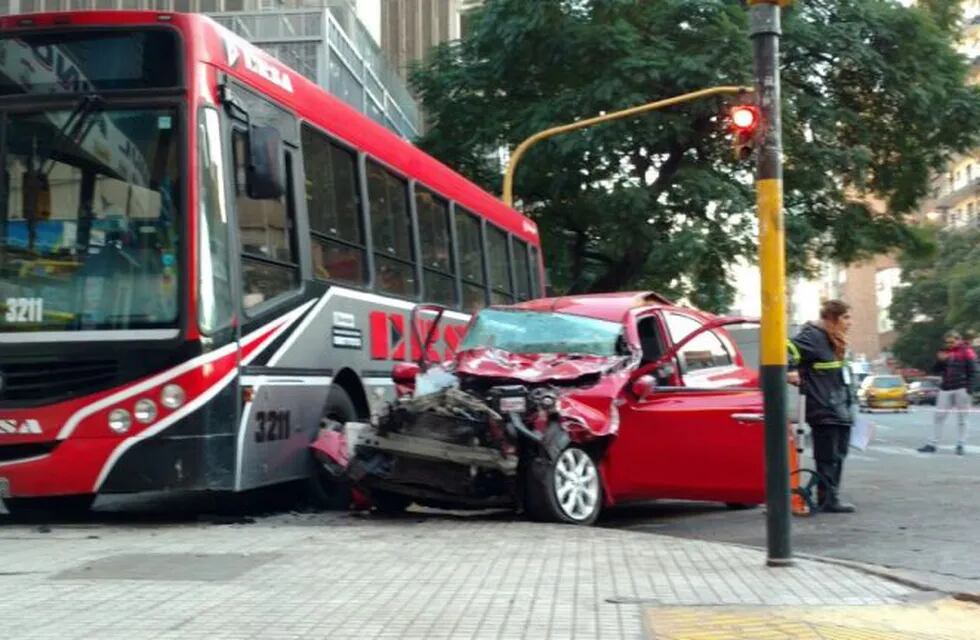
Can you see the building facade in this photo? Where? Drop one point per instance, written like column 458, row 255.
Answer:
column 869, row 288
column 410, row 28
column 954, row 202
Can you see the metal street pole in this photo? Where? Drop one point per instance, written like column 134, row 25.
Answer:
column 764, row 18
column 508, row 195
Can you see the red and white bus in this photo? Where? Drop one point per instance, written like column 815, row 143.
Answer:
column 203, row 255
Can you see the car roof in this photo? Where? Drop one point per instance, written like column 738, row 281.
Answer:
column 602, row 306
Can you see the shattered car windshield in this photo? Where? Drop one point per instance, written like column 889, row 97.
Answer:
column 536, row 332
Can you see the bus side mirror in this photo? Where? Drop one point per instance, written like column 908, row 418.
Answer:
column 265, row 164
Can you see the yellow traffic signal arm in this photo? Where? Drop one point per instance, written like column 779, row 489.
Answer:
column 515, row 157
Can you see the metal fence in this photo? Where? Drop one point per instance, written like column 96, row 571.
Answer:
column 345, row 62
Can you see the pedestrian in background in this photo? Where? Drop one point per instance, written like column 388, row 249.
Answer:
column 956, row 362
column 817, row 359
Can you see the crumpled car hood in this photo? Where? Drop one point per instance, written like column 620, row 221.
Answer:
column 531, row 367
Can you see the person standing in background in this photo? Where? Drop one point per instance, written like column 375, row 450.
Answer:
column 956, row 362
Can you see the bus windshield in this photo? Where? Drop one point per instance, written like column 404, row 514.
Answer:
column 88, row 218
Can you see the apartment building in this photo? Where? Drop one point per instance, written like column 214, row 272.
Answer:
column 410, row 28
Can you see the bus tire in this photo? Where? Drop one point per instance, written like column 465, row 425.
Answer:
column 324, row 490
column 52, row 507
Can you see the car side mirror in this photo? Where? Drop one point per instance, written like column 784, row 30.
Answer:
column 404, row 373
column 265, row 179
column 644, row 386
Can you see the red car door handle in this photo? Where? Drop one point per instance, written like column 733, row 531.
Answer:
column 746, row 418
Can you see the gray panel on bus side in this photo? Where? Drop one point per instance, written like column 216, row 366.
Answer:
column 279, row 424
column 349, row 329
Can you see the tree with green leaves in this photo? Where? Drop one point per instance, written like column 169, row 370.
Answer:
column 941, row 292
column 874, row 99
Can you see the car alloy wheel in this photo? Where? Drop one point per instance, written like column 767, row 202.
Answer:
column 576, row 484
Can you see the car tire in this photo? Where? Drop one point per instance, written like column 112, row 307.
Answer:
column 389, row 503
column 324, row 490
column 567, row 489
column 52, row 507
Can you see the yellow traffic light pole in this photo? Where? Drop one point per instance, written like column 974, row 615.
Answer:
column 765, row 29
column 508, row 196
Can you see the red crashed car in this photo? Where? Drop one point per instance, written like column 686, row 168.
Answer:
column 563, row 406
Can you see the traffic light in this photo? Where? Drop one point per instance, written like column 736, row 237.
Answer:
column 744, row 120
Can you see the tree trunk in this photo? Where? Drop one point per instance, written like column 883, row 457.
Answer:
column 622, row 272
column 578, row 261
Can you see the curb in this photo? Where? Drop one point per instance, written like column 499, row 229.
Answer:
column 877, row 571
column 886, row 574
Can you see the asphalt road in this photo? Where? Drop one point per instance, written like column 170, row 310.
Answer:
column 917, row 513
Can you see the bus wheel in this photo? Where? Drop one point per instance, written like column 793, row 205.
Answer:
column 55, row 507
column 326, row 491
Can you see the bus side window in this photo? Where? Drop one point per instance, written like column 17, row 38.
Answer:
column 501, row 290
column 334, row 206
column 522, row 270
column 437, row 257
column 471, row 260
column 266, row 228
column 391, row 231
column 535, row 274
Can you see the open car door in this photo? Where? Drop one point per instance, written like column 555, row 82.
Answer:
column 686, row 434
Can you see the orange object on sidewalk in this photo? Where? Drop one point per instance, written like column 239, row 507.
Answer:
column 798, row 505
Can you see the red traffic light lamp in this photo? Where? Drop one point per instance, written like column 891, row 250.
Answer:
column 744, row 122
column 745, row 118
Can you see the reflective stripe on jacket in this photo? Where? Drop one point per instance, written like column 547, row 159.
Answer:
column 828, row 396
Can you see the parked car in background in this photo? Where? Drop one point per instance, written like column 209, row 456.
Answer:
column 924, row 391
column 883, row 392
column 562, row 407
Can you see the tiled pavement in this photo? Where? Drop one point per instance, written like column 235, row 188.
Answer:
column 339, row 576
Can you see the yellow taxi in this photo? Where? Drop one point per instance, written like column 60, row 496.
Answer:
column 883, row 392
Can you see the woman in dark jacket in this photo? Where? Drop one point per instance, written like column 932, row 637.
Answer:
column 817, row 355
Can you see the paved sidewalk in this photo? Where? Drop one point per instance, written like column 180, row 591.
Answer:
column 348, row 576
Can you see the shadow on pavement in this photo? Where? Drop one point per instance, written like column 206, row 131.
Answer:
column 173, row 508
column 218, row 508
column 662, row 510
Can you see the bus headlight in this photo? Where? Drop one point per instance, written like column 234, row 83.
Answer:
column 172, row 396
column 120, row 421
column 146, row 411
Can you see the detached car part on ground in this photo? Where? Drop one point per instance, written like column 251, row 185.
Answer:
column 530, row 413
